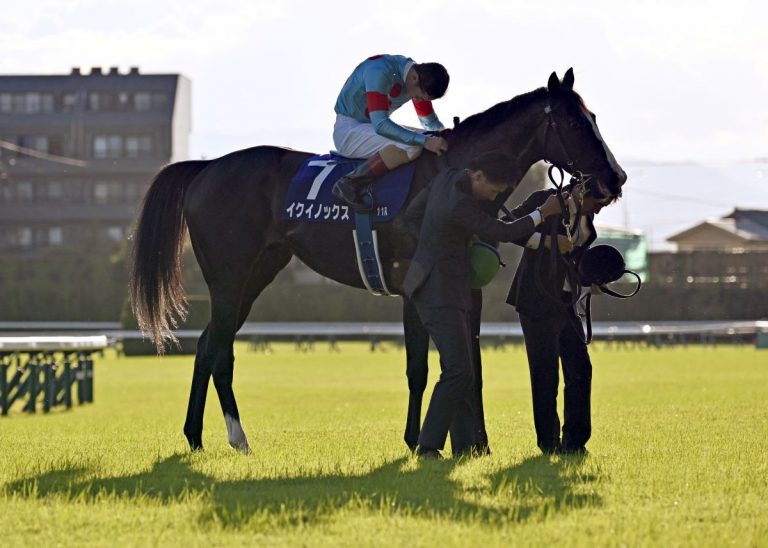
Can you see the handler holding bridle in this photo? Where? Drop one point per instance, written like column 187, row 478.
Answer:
column 544, row 295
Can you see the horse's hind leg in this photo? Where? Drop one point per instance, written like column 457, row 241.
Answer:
column 215, row 354
column 214, row 348
column 193, row 426
column 271, row 261
column 416, row 369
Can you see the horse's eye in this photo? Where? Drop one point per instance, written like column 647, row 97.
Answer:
column 574, row 125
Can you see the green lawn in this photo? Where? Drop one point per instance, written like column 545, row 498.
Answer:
column 679, row 457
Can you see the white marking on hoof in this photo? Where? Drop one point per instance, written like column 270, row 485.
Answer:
column 235, row 435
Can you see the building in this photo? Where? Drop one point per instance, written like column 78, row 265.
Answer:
column 77, row 152
column 740, row 231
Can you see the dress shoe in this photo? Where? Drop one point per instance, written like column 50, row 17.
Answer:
column 428, row 453
column 579, row 450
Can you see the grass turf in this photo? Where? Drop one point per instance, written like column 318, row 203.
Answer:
column 678, row 458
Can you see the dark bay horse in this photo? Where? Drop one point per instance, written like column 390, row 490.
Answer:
column 232, row 207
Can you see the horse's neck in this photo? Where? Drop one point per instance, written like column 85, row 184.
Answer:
column 518, row 136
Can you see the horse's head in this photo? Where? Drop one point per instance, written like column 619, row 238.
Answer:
column 572, row 140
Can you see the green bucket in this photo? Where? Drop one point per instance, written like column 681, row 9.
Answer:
column 485, row 262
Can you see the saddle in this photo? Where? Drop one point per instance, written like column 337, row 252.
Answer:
column 309, row 198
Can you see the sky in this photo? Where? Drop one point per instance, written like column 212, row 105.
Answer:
column 672, row 82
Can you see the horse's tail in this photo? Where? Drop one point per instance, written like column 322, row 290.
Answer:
column 157, row 297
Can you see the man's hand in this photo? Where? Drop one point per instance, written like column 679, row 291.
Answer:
column 552, row 205
column 564, row 245
column 438, row 145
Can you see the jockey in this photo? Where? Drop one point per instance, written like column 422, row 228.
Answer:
column 377, row 87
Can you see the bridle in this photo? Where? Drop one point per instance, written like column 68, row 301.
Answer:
column 578, row 181
column 552, row 127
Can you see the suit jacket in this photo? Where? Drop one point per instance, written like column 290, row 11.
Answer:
column 526, row 293
column 439, row 274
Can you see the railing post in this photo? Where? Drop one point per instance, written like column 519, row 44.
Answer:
column 33, row 379
column 48, row 383
column 80, row 376
column 4, row 395
column 66, row 378
column 89, row 376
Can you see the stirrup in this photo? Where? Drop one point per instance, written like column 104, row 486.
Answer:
column 360, row 204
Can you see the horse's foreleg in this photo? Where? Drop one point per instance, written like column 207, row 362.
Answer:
column 416, row 352
column 481, row 436
column 193, row 426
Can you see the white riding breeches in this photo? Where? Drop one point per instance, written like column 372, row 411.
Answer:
column 355, row 139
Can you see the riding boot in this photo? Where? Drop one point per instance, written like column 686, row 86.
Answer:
column 347, row 189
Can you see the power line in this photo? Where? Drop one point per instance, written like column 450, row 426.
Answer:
column 42, row 155
column 678, row 197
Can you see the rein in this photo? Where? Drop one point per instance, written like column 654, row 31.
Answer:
column 555, row 292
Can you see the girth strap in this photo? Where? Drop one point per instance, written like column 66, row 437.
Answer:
column 367, row 251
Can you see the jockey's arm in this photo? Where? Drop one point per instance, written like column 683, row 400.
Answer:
column 427, row 116
column 385, row 127
column 377, row 101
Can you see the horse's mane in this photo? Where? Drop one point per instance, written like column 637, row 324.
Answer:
column 489, row 119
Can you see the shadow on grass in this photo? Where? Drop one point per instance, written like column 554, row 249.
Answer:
column 535, row 488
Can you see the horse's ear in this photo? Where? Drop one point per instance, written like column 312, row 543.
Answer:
column 568, row 79
column 554, row 83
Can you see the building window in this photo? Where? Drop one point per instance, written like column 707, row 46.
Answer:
column 34, row 142
column 138, row 146
column 25, row 236
column 119, row 146
column 101, row 193
column 6, row 103
column 25, row 192
column 159, row 101
column 95, row 101
column 69, row 101
column 32, row 102
column 107, row 192
column 46, row 102
column 55, row 236
column 18, row 103
column 142, row 101
column 107, row 146
column 55, row 190
column 133, row 192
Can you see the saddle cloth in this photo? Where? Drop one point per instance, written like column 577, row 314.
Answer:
column 309, row 197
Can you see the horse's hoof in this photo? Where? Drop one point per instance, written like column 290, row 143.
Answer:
column 195, row 442
column 236, row 435
column 243, row 448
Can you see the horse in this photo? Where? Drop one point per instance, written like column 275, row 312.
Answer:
column 232, row 208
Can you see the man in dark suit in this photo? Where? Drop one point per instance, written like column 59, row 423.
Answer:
column 438, row 283
column 543, row 297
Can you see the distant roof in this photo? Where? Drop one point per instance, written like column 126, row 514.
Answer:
column 746, row 224
column 757, row 216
